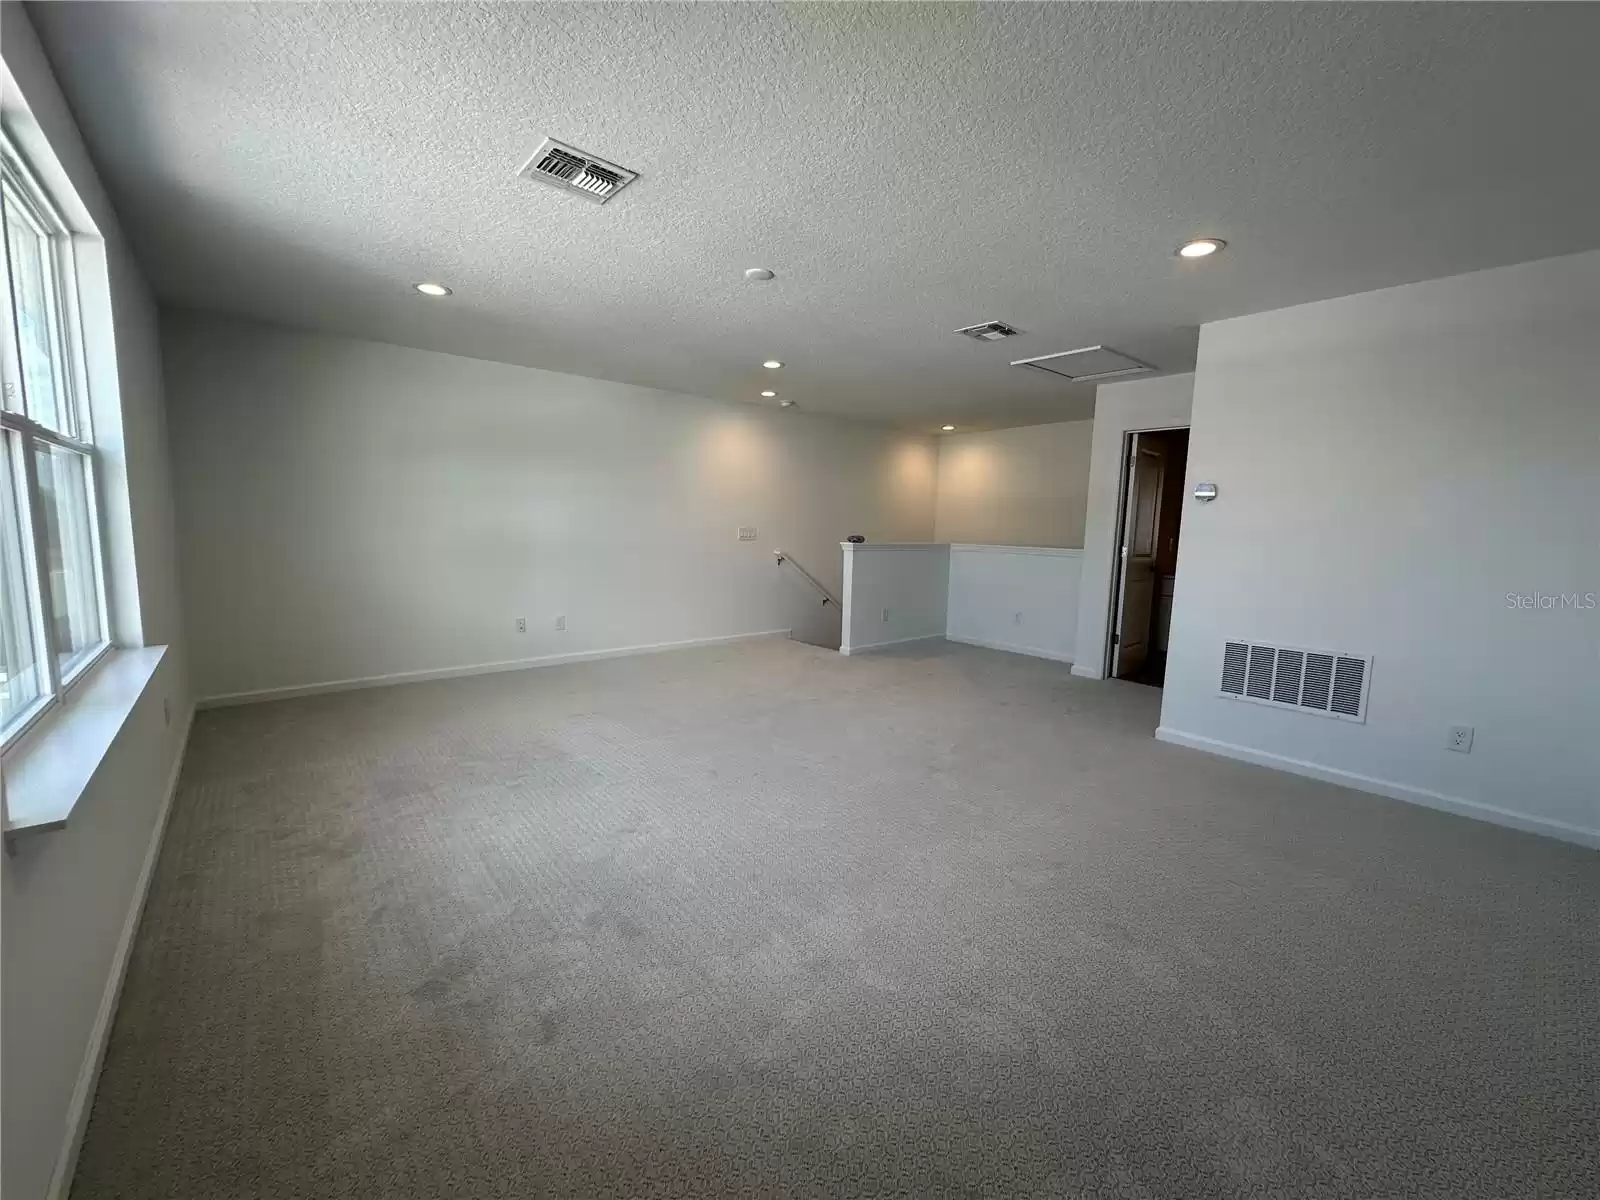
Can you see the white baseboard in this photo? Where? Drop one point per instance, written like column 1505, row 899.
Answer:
column 516, row 664
column 1009, row 648
column 921, row 637
column 1384, row 787
column 1084, row 671
column 82, row 1102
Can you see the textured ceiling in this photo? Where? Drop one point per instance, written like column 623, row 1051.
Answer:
column 906, row 169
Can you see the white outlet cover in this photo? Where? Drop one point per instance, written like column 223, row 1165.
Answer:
column 1460, row 739
column 561, row 624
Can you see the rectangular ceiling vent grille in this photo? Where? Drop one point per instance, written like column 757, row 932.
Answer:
column 574, row 171
column 1086, row 364
column 989, row 331
column 1325, row 682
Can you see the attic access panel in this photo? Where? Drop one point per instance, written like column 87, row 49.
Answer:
column 1087, row 364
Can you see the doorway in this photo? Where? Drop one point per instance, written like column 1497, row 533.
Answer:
column 1149, row 521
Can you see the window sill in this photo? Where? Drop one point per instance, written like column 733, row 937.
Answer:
column 48, row 774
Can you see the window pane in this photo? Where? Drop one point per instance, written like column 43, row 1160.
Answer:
column 21, row 676
column 9, row 377
column 74, row 589
column 32, row 262
column 10, row 371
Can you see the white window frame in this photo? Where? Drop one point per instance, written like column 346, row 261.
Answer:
column 70, row 364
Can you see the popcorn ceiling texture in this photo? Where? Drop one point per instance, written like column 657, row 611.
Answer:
column 907, row 169
column 768, row 921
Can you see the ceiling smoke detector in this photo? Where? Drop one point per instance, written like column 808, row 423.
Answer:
column 1087, row 364
column 989, row 331
column 576, row 171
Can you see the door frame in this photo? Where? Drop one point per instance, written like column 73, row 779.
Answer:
column 1108, row 651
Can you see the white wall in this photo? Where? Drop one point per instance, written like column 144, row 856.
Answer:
column 1014, row 487
column 350, row 510
column 893, row 593
column 1018, row 598
column 1390, row 467
column 68, row 899
column 1119, row 409
column 69, row 902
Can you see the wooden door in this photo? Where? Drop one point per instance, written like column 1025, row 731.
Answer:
column 1136, row 592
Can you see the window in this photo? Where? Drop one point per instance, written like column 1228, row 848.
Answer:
column 52, row 582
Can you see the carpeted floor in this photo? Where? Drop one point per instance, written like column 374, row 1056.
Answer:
column 765, row 921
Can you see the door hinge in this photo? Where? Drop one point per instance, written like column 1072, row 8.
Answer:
column 1116, row 639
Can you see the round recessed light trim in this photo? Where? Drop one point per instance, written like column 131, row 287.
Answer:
column 432, row 289
column 769, row 395
column 772, row 364
column 1201, row 248
column 948, row 428
column 785, row 403
column 760, row 274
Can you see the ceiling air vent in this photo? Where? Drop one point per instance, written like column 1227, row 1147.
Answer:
column 1325, row 682
column 572, row 170
column 1087, row 364
column 989, row 331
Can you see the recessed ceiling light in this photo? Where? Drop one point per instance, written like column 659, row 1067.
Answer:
column 433, row 289
column 948, row 428
column 785, row 403
column 759, row 274
column 769, row 395
column 772, row 364
column 1200, row 247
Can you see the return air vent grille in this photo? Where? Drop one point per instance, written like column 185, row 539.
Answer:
column 1087, row 364
column 574, row 171
column 989, row 331
column 1325, row 682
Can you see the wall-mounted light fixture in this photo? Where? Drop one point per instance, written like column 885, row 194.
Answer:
column 1205, row 492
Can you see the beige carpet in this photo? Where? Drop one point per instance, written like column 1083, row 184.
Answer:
column 765, row 921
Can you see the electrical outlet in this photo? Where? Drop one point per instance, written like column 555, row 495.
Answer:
column 1016, row 618
column 561, row 624
column 1460, row 739
column 886, row 616
column 747, row 533
column 522, row 624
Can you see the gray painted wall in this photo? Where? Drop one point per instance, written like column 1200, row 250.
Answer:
column 66, row 899
column 1391, row 466
column 351, row 510
column 1015, row 487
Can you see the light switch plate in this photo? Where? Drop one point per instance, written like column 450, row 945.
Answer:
column 747, row 533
